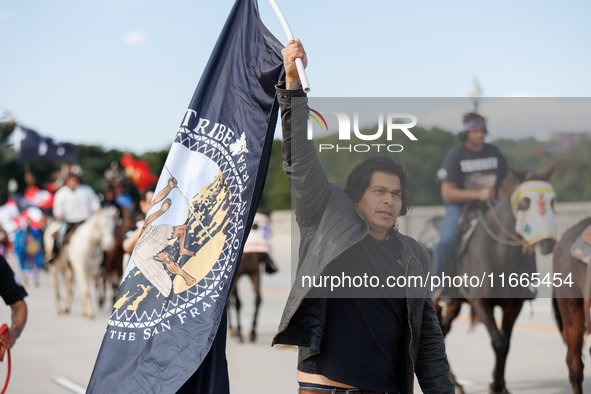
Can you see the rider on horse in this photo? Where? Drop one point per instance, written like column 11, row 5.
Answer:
column 470, row 172
column 74, row 202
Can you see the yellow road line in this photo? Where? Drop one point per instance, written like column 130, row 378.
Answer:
column 522, row 326
column 276, row 292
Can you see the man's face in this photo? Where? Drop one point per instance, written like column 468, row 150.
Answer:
column 72, row 182
column 381, row 203
column 109, row 195
column 475, row 139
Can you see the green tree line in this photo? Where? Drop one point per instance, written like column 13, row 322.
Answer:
column 421, row 158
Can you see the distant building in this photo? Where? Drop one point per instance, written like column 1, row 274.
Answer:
column 566, row 140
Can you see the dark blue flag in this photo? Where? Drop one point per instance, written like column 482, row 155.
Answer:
column 32, row 147
column 167, row 330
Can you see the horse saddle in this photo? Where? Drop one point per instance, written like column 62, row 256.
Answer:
column 60, row 235
column 581, row 248
column 70, row 230
column 430, row 235
column 468, row 223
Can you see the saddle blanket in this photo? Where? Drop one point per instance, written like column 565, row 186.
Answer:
column 581, row 248
column 430, row 235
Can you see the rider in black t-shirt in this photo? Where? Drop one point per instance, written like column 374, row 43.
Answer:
column 470, row 172
column 13, row 294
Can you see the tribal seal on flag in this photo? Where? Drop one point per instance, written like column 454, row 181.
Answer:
column 174, row 256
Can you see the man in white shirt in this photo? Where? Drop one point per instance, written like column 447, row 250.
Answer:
column 73, row 204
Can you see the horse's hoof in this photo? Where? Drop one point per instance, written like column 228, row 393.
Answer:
column 252, row 337
column 492, row 391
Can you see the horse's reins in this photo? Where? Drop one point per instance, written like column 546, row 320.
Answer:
column 516, row 240
column 4, row 349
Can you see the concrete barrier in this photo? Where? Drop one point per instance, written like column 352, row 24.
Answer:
column 568, row 214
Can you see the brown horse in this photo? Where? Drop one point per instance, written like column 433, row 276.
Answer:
column 569, row 303
column 111, row 271
column 491, row 252
column 249, row 265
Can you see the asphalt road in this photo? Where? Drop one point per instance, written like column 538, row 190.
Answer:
column 66, row 346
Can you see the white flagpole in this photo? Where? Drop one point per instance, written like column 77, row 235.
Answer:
column 299, row 63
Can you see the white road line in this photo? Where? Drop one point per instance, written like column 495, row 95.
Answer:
column 70, row 385
column 465, row 382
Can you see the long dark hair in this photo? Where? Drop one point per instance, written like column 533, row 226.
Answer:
column 360, row 178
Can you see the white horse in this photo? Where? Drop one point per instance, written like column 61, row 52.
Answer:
column 83, row 253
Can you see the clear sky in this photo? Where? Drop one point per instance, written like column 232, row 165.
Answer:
column 120, row 73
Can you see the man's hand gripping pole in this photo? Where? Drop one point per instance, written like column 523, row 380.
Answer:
column 298, row 61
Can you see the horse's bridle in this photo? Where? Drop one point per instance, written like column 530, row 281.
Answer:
column 542, row 187
column 515, row 241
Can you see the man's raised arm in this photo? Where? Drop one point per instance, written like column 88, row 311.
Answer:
column 308, row 181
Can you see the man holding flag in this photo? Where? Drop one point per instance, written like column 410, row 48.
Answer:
column 368, row 342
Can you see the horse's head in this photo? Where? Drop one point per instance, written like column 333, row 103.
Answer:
column 533, row 200
column 107, row 219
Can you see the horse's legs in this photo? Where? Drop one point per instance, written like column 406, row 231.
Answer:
column 451, row 312
column 229, row 307
column 510, row 314
column 116, row 270
column 53, row 271
column 238, row 305
column 68, row 276
column 573, row 323
column 101, row 285
column 500, row 341
column 83, row 279
column 255, row 278
column 115, row 281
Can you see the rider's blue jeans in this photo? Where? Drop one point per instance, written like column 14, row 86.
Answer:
column 449, row 231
